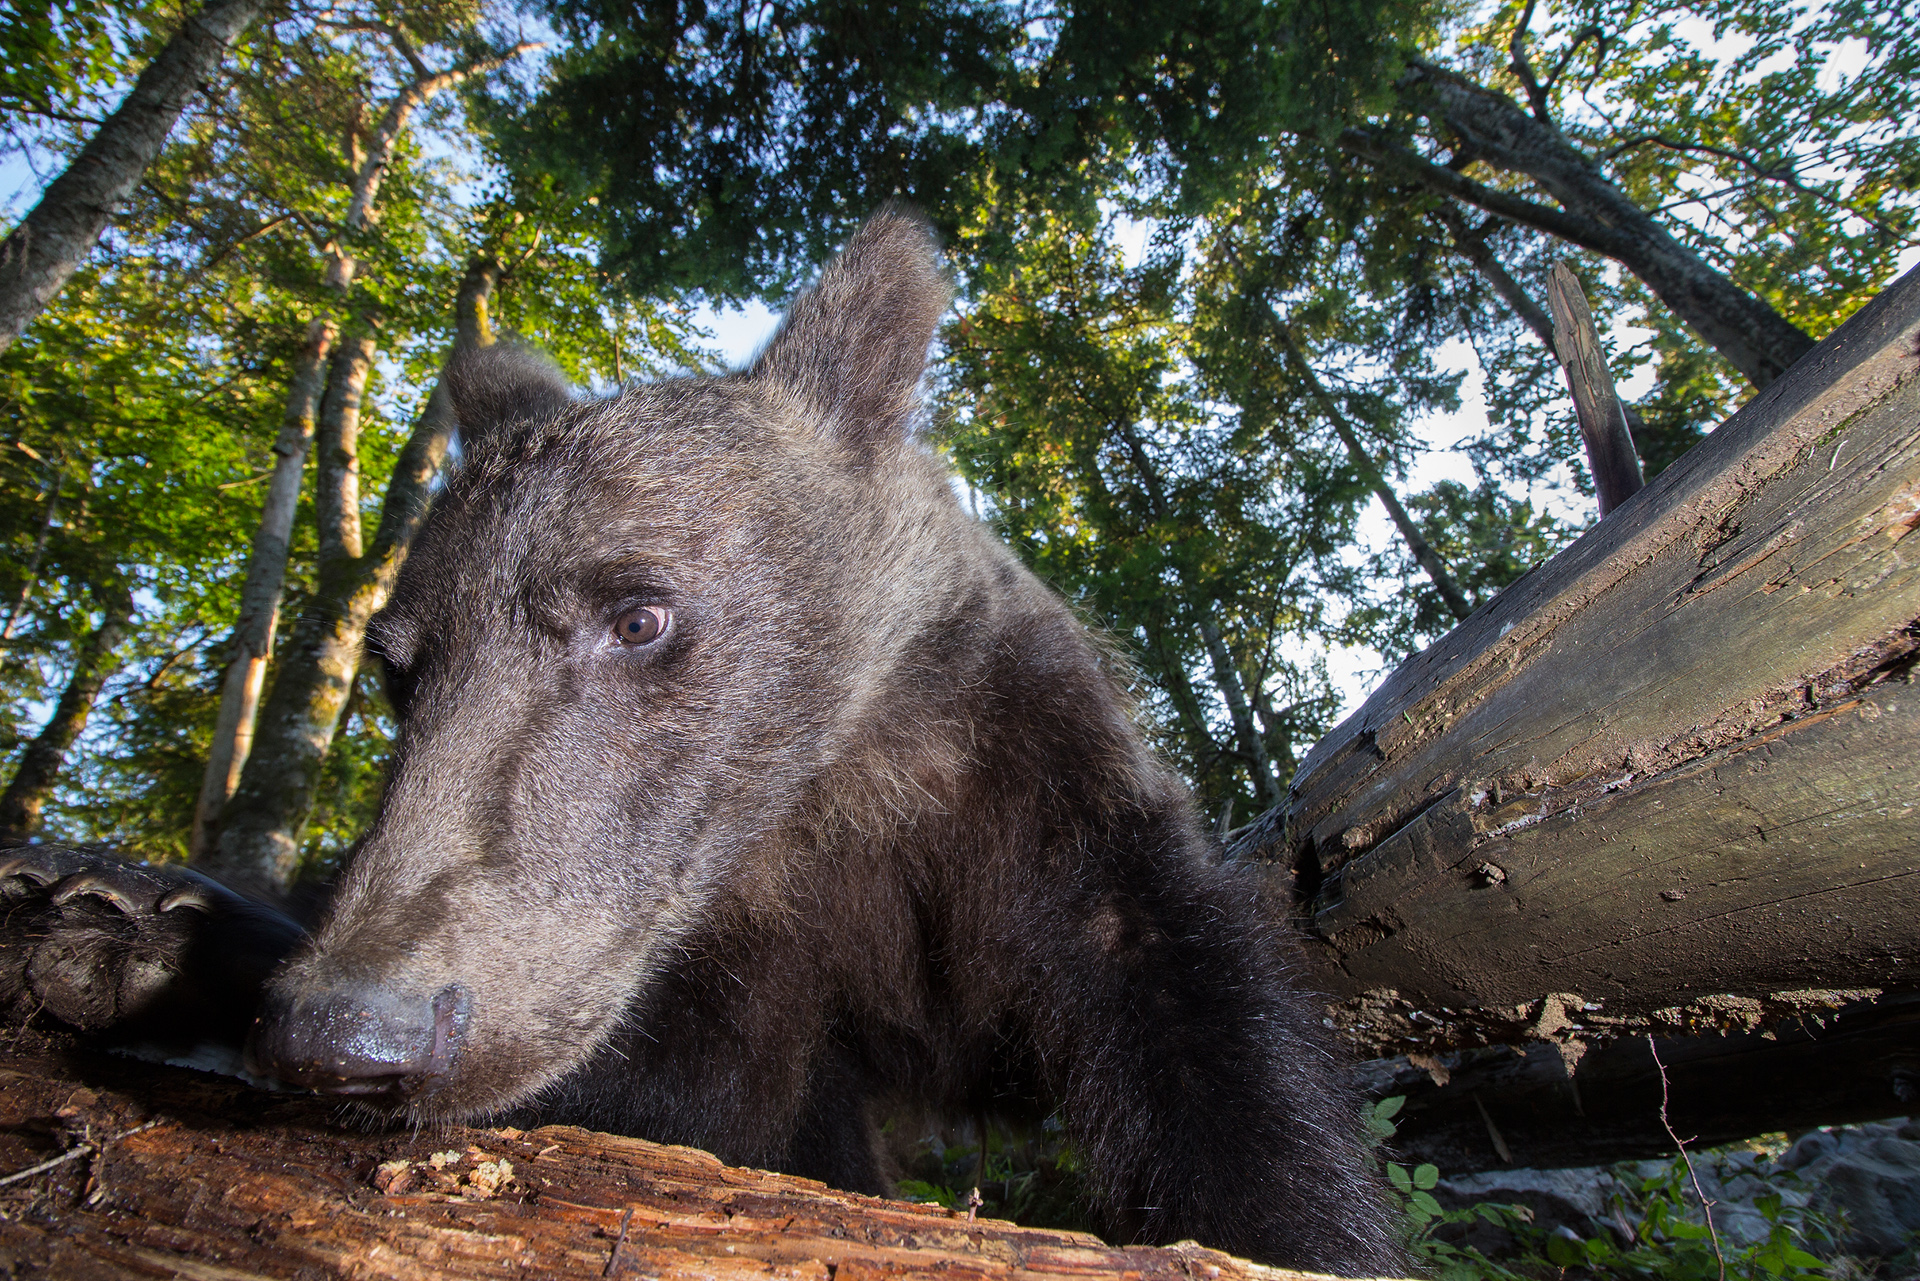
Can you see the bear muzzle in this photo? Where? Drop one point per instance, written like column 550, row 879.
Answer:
column 361, row 1040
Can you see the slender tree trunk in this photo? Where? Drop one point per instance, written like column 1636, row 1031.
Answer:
column 336, row 504
column 1423, row 554
column 261, row 826
column 40, row 764
column 266, row 567
column 1593, row 213
column 1473, row 247
column 57, row 233
column 18, row 609
column 1225, row 675
column 260, row 595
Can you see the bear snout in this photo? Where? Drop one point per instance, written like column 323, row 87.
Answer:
column 361, row 1040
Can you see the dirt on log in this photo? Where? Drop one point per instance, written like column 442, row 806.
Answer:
column 1675, row 760
column 112, row 1167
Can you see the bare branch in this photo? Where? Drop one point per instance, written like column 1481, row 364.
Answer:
column 1517, row 47
column 1783, row 174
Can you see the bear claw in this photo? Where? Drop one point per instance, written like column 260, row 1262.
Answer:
column 90, row 883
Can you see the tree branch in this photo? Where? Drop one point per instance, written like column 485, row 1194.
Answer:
column 1517, row 48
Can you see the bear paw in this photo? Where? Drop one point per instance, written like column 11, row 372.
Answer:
column 102, row 944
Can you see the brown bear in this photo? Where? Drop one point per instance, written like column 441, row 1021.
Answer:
column 746, row 786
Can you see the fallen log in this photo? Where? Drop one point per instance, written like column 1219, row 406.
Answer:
column 112, row 1167
column 1563, row 1103
column 1675, row 760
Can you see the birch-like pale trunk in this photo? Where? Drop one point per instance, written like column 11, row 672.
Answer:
column 234, row 732
column 260, row 592
column 57, row 233
column 261, row 825
column 40, row 764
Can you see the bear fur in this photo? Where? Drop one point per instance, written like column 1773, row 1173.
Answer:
column 746, row 788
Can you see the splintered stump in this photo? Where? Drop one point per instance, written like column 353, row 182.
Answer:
column 171, row 1173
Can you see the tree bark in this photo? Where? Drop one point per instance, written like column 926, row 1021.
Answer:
column 1598, row 1105
column 50, row 242
column 261, row 825
column 40, row 764
column 260, row 594
column 1423, row 554
column 336, row 504
column 1473, row 246
column 267, row 563
column 1594, row 213
column 1603, row 420
column 1674, row 760
column 187, row 1174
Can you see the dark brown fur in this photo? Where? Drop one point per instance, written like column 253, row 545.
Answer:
column 870, row 823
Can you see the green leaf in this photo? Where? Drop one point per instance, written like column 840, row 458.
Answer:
column 1426, row 1176
column 1398, row 1176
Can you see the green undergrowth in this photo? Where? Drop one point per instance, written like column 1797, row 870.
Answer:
column 1655, row 1231
column 1030, row 1173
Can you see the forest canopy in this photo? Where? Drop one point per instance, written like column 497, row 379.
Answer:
column 1227, row 270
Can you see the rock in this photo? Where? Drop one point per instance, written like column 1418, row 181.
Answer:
column 1576, row 1199
column 1808, row 1148
column 1876, row 1185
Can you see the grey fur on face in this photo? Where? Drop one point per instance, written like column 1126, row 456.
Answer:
column 746, row 785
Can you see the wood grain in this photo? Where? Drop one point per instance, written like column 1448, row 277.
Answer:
column 1675, row 759
column 1603, row 419
column 233, row 1183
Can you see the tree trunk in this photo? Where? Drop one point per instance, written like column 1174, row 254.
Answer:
column 1423, row 554
column 57, row 233
column 1225, row 675
column 1611, row 457
column 267, row 563
column 171, row 1173
column 40, row 764
column 1473, row 246
column 1594, row 213
column 1674, row 761
column 260, row 828
column 48, row 515
column 1598, row 1105
column 260, row 594
column 336, row 504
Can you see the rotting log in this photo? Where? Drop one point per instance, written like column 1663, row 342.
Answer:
column 182, row 1174
column 1677, row 759
column 1561, row 1104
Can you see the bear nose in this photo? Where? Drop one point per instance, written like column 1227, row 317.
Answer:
column 360, row 1041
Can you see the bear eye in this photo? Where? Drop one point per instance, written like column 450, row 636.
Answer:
column 641, row 625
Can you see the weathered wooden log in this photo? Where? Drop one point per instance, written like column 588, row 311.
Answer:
column 117, row 1168
column 1558, row 1103
column 1677, row 759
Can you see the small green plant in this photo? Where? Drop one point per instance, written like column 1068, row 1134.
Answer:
column 1426, row 1217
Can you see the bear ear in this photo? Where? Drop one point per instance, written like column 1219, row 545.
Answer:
column 853, row 346
column 501, row 386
